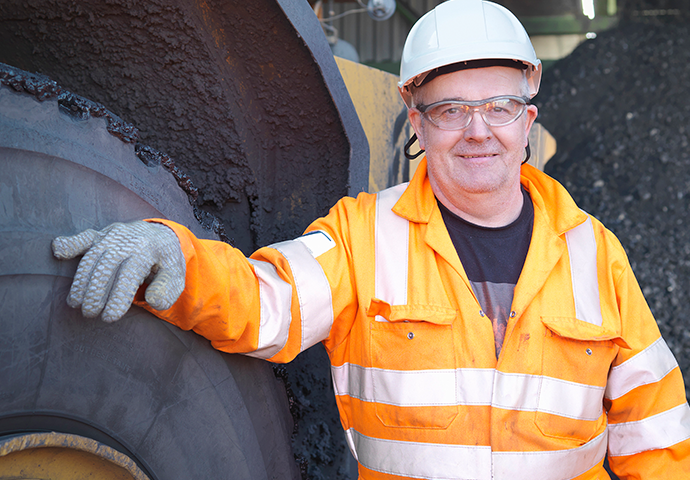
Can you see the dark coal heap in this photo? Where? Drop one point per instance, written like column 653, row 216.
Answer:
column 619, row 108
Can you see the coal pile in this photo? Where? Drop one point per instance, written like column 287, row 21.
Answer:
column 619, row 108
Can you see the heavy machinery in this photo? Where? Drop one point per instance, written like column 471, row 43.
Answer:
column 238, row 125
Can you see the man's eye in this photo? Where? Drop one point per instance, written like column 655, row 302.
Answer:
column 450, row 111
column 500, row 107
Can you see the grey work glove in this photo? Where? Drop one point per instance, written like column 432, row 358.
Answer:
column 117, row 261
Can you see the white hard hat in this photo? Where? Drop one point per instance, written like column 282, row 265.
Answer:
column 459, row 31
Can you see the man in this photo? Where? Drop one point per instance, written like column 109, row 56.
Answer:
column 479, row 324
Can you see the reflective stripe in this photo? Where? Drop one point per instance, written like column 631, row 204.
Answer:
column 401, row 388
column 422, row 460
column 472, row 386
column 548, row 395
column 391, row 249
column 550, row 465
column 313, row 292
column 469, row 387
column 582, row 249
column 349, row 437
column 648, row 366
column 275, row 296
column 658, row 431
column 442, row 461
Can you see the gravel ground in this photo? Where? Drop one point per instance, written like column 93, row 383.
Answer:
column 619, row 108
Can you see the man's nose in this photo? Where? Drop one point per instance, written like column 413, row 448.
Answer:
column 477, row 130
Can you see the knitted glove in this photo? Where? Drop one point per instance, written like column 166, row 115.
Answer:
column 117, row 260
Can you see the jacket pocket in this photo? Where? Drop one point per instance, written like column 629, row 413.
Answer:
column 576, row 358
column 412, row 355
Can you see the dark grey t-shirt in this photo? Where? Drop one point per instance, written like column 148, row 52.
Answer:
column 493, row 259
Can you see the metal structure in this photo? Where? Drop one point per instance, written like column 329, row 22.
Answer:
column 549, row 23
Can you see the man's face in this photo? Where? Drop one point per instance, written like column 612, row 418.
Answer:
column 477, row 159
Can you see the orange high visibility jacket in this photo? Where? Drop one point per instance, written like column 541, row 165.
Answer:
column 583, row 371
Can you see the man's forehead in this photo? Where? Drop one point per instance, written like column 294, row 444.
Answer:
column 472, row 84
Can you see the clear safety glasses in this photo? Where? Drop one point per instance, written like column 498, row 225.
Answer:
column 457, row 114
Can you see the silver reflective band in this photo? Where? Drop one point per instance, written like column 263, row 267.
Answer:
column 550, row 465
column 658, row 431
column 547, row 395
column 391, row 249
column 469, row 387
column 648, row 366
column 275, row 296
column 313, row 292
column 422, row 460
column 582, row 249
column 401, row 388
column 442, row 461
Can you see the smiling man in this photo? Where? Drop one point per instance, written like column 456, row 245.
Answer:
column 478, row 323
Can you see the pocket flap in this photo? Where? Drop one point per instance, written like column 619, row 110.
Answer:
column 569, row 327
column 437, row 314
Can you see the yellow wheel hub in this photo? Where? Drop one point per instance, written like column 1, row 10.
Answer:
column 61, row 456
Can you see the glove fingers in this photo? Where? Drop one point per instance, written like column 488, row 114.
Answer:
column 72, row 246
column 99, row 280
column 167, row 286
column 116, row 262
column 82, row 277
column 131, row 275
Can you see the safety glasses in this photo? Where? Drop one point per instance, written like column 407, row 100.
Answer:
column 457, row 114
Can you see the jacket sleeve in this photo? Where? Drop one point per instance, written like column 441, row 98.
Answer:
column 273, row 305
column 648, row 414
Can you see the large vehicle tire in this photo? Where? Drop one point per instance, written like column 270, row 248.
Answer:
column 159, row 395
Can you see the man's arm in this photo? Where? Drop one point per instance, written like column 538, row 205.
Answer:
column 282, row 300
column 648, row 414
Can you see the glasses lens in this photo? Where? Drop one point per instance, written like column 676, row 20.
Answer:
column 451, row 115
column 502, row 111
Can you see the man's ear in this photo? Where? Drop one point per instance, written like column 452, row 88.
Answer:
column 531, row 115
column 415, row 118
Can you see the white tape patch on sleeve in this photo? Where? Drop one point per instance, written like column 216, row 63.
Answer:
column 317, row 242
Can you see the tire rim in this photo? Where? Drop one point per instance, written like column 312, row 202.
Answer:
column 62, row 456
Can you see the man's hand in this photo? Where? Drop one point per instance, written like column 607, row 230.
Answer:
column 117, row 261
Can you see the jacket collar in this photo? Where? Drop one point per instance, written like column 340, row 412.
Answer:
column 549, row 197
